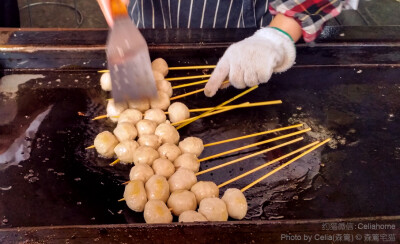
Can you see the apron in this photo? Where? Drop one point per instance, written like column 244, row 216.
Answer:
column 162, row 14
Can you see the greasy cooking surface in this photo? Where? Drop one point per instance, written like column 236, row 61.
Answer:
column 57, row 182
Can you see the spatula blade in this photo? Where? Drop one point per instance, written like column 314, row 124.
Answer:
column 129, row 63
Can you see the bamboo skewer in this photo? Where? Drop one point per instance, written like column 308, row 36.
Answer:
column 100, row 117
column 187, row 77
column 115, row 162
column 222, row 104
column 90, row 147
column 252, row 135
column 187, row 94
column 254, row 145
column 249, row 156
column 190, row 84
column 267, row 164
column 284, row 165
column 192, row 67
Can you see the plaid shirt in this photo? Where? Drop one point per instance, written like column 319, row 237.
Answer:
column 310, row 14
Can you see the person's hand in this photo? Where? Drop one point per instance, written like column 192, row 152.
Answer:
column 105, row 8
column 253, row 60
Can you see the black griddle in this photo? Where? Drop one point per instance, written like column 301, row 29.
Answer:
column 345, row 86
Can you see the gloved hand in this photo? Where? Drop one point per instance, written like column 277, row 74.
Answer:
column 253, row 60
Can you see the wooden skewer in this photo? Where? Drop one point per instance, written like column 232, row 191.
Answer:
column 100, row 117
column 190, row 84
column 187, row 77
column 122, row 199
column 126, row 182
column 243, row 105
column 249, row 156
column 192, row 67
column 115, row 162
column 284, row 165
column 213, row 113
column 222, row 104
column 267, row 164
column 186, row 94
column 89, row 147
column 253, row 135
column 254, row 145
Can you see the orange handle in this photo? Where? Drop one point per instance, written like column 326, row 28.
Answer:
column 118, row 8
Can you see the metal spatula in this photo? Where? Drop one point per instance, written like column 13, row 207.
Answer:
column 128, row 58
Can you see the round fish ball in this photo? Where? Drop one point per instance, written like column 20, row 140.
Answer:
column 146, row 127
column 192, row 145
column 161, row 101
column 164, row 167
column 141, row 172
column 235, row 202
column 188, row 161
column 145, row 155
column 169, row 151
column 214, row 209
column 182, row 179
column 157, row 75
column 181, row 201
column 178, row 112
column 115, row 109
column 105, row 143
column 135, row 195
column 156, row 115
column 125, row 131
column 149, row 140
column 164, row 86
column 205, row 189
column 125, row 149
column 141, row 105
column 105, row 81
column 130, row 115
column 167, row 133
column 160, row 65
column 191, row 216
column 157, row 188
column 156, row 211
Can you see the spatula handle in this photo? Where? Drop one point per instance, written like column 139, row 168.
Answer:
column 118, row 9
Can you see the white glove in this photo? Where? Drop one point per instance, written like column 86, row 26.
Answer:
column 253, row 60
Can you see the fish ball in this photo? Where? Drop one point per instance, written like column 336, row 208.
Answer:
column 156, row 211
column 178, row 112
column 115, row 109
column 188, row 161
column 141, row 105
column 130, row 115
column 192, row 145
column 125, row 149
column 182, row 179
column 164, row 167
column 191, row 216
column 169, row 151
column 105, row 81
column 164, row 86
column 205, row 189
column 135, row 195
column 146, row 127
column 141, row 172
column 125, row 131
column 145, row 155
column 181, row 201
column 214, row 209
column 156, row 115
column 157, row 75
column 235, row 203
column 160, row 65
column 167, row 133
column 105, row 143
column 157, row 188
column 161, row 101
column 149, row 140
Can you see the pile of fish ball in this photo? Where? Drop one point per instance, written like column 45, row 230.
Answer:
column 163, row 181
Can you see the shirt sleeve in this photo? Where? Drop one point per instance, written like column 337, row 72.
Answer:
column 310, row 14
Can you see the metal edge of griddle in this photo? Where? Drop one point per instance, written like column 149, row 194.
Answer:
column 267, row 231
